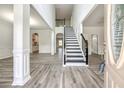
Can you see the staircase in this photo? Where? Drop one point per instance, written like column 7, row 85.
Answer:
column 73, row 53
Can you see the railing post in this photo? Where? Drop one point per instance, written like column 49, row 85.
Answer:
column 64, row 47
column 87, row 53
column 85, row 47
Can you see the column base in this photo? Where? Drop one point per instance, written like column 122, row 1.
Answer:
column 52, row 54
column 20, row 82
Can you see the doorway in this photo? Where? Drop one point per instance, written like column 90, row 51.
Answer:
column 59, row 44
column 94, row 46
column 35, row 43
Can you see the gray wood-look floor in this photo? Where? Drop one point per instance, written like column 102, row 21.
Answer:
column 47, row 72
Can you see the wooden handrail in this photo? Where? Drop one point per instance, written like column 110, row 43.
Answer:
column 85, row 47
column 64, row 48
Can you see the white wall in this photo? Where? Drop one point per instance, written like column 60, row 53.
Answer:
column 6, row 39
column 88, row 31
column 80, row 11
column 44, row 40
column 47, row 12
column 58, row 30
column 67, row 22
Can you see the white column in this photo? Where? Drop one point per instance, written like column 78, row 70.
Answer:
column 52, row 42
column 21, row 44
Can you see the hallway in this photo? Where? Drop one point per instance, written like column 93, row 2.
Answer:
column 47, row 72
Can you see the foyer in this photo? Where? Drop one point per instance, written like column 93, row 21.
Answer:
column 43, row 57
column 61, row 46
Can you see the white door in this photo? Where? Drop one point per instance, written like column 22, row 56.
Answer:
column 114, row 24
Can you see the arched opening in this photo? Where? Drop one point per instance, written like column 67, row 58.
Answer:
column 35, row 43
column 59, row 43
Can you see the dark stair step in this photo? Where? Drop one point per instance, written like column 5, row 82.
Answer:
column 70, row 35
column 74, row 56
column 73, row 48
column 71, row 38
column 75, row 61
column 71, row 42
column 74, row 52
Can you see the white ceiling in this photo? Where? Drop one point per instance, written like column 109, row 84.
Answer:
column 63, row 11
column 96, row 18
column 36, row 22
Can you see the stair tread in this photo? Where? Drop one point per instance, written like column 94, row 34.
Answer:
column 71, row 38
column 75, row 61
column 73, row 48
column 73, row 52
column 74, row 56
column 72, row 42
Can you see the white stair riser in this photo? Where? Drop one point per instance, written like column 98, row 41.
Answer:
column 68, row 58
column 72, row 47
column 74, row 50
column 71, row 54
column 73, row 44
column 75, row 64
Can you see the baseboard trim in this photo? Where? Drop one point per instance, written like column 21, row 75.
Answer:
column 20, row 82
column 6, row 57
